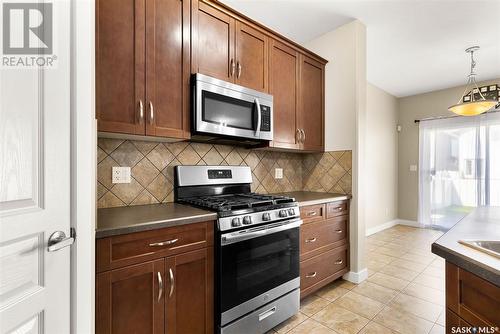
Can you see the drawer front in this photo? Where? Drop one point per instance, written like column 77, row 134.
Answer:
column 312, row 213
column 321, row 267
column 320, row 236
column 336, row 209
column 124, row 250
column 472, row 298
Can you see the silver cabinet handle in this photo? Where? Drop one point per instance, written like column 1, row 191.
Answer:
column 259, row 117
column 58, row 240
column 297, row 136
column 151, row 113
column 141, row 112
column 172, row 282
column 338, row 262
column 233, row 66
column 311, row 240
column 160, row 286
column 239, row 71
column 311, row 214
column 267, row 313
column 311, row 275
column 338, row 209
column 303, row 136
column 163, row 243
column 338, row 231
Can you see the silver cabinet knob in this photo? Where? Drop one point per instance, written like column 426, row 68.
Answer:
column 58, row 240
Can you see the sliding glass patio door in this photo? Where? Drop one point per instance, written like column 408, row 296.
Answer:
column 459, row 167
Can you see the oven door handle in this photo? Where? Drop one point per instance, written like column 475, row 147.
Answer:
column 231, row 238
column 259, row 118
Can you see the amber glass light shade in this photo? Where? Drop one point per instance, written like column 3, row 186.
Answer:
column 472, row 108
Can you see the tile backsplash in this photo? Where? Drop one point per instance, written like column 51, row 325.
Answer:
column 152, row 166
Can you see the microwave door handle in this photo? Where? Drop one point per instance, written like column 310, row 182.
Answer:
column 259, row 118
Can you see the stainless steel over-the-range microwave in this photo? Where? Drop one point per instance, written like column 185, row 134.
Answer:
column 223, row 109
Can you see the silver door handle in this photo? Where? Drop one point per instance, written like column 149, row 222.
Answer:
column 338, row 262
column 259, row 118
column 58, row 240
column 338, row 231
column 311, row 240
column 239, row 71
column 311, row 275
column 297, row 136
column 160, row 284
column 172, row 282
column 163, row 243
column 303, row 136
column 151, row 113
column 231, row 73
column 141, row 112
column 267, row 313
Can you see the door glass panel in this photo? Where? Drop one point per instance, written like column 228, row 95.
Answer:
column 252, row 267
column 227, row 111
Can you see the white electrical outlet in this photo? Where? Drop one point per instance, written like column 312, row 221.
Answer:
column 413, row 168
column 121, row 175
column 278, row 173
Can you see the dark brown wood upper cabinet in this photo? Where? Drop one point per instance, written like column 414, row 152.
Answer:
column 120, row 65
column 312, row 104
column 143, row 55
column 167, row 68
column 251, row 57
column 131, row 300
column 213, row 42
column 283, row 85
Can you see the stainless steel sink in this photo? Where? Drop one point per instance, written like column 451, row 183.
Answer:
column 491, row 247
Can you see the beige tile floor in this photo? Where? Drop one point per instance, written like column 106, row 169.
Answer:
column 404, row 292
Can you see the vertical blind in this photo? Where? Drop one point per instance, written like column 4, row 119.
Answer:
column 459, row 160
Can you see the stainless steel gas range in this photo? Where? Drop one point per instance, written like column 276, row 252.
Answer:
column 257, row 247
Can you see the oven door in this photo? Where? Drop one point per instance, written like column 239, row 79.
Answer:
column 257, row 265
column 223, row 108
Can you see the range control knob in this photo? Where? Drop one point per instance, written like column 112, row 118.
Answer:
column 235, row 222
column 247, row 220
column 283, row 213
column 266, row 216
column 291, row 212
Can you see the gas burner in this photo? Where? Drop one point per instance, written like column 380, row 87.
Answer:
column 233, row 202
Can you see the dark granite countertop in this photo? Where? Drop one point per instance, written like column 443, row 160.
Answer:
column 311, row 198
column 129, row 219
column 482, row 224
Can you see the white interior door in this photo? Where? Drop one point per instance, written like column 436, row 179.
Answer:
column 35, row 176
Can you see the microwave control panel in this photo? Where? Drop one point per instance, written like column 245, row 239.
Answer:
column 265, row 125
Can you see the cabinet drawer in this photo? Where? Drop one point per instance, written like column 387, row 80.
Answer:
column 312, row 213
column 472, row 298
column 336, row 209
column 321, row 267
column 124, row 250
column 320, row 236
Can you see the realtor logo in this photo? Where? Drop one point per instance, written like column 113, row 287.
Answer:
column 27, row 39
column 27, row 28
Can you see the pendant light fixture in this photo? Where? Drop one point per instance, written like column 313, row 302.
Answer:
column 472, row 107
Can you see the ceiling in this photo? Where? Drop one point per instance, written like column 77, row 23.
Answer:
column 413, row 46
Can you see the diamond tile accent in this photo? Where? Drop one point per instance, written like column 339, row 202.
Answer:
column 153, row 169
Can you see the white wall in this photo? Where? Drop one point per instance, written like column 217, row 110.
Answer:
column 381, row 167
column 345, row 117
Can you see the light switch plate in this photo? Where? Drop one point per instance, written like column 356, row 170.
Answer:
column 278, row 173
column 121, row 175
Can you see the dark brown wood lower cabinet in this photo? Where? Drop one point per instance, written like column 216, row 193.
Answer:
column 127, row 300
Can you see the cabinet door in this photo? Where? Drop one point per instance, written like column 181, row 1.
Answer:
column 213, row 42
column 283, row 85
column 311, row 110
column 251, row 57
column 189, row 293
column 120, row 49
column 130, row 300
column 167, row 68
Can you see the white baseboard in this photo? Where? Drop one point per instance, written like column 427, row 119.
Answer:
column 406, row 222
column 356, row 277
column 381, row 227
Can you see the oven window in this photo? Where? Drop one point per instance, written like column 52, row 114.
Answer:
column 227, row 111
column 252, row 267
